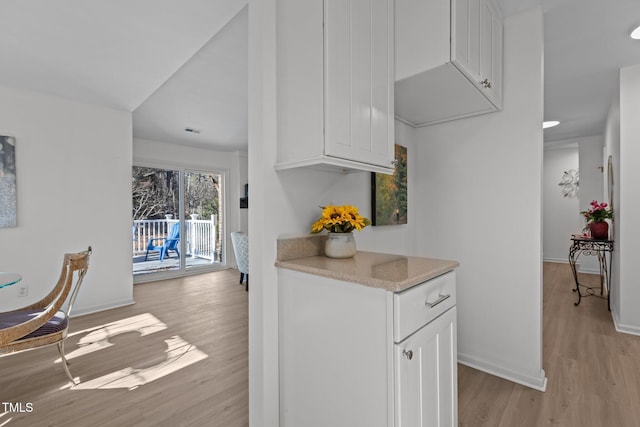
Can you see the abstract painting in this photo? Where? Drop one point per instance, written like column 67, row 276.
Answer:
column 389, row 193
column 7, row 181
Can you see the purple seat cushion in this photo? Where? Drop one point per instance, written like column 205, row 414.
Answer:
column 57, row 323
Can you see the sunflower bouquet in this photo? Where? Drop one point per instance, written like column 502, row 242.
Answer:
column 340, row 219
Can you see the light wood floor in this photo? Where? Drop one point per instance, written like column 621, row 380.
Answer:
column 208, row 311
column 593, row 371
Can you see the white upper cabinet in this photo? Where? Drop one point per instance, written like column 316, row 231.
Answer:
column 465, row 37
column 335, row 84
column 448, row 60
column 491, row 53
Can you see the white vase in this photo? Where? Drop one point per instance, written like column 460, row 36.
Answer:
column 340, row 245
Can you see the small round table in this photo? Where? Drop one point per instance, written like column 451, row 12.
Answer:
column 8, row 279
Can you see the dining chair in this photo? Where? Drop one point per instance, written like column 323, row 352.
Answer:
column 46, row 322
column 240, row 242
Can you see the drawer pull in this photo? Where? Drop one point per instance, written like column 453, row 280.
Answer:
column 436, row 302
column 407, row 354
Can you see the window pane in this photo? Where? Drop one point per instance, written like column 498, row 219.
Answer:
column 203, row 216
column 156, row 220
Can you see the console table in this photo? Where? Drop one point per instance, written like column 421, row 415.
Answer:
column 581, row 245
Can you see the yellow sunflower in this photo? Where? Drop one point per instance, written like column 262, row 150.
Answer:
column 340, row 219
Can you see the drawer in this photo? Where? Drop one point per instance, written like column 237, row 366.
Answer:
column 417, row 306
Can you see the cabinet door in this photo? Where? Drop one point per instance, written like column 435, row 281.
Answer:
column 426, row 375
column 491, row 53
column 359, row 65
column 465, row 37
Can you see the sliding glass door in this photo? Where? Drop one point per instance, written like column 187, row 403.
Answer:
column 177, row 220
column 203, row 205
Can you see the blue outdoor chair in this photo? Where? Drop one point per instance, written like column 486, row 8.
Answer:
column 169, row 243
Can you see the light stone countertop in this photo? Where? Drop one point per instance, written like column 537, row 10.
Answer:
column 394, row 273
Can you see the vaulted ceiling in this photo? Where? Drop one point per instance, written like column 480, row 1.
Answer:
column 174, row 64
column 179, row 65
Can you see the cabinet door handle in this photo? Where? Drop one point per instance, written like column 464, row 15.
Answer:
column 486, row 83
column 407, row 354
column 436, row 302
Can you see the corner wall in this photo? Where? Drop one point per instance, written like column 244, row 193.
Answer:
column 626, row 313
column 480, row 182
column 73, row 165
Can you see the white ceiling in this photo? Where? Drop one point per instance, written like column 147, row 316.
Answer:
column 208, row 94
column 175, row 64
column 179, row 64
column 586, row 43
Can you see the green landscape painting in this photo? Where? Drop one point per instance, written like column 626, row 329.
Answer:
column 389, row 193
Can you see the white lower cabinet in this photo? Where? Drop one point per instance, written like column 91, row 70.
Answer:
column 426, row 375
column 352, row 355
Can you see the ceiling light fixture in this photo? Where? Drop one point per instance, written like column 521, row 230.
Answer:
column 550, row 124
column 635, row 34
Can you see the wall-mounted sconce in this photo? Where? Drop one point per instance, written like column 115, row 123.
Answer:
column 570, row 183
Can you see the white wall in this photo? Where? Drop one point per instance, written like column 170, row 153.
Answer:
column 626, row 311
column 232, row 164
column 591, row 170
column 560, row 216
column 481, row 203
column 591, row 187
column 74, row 185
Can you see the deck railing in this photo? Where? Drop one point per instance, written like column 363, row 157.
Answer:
column 200, row 235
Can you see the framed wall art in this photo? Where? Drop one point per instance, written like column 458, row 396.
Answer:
column 7, row 181
column 389, row 193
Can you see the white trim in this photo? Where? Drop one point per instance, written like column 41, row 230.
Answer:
column 558, row 260
column 535, row 382
column 578, row 269
column 174, row 274
column 333, row 164
column 625, row 329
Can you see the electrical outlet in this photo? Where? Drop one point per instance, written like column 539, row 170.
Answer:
column 23, row 291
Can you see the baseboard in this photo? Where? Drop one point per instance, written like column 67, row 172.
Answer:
column 625, row 329
column 579, row 267
column 559, row 260
column 96, row 308
column 588, row 271
column 537, row 383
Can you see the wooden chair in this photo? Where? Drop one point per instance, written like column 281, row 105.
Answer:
column 46, row 322
column 169, row 243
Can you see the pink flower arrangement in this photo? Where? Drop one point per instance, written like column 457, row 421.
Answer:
column 598, row 212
